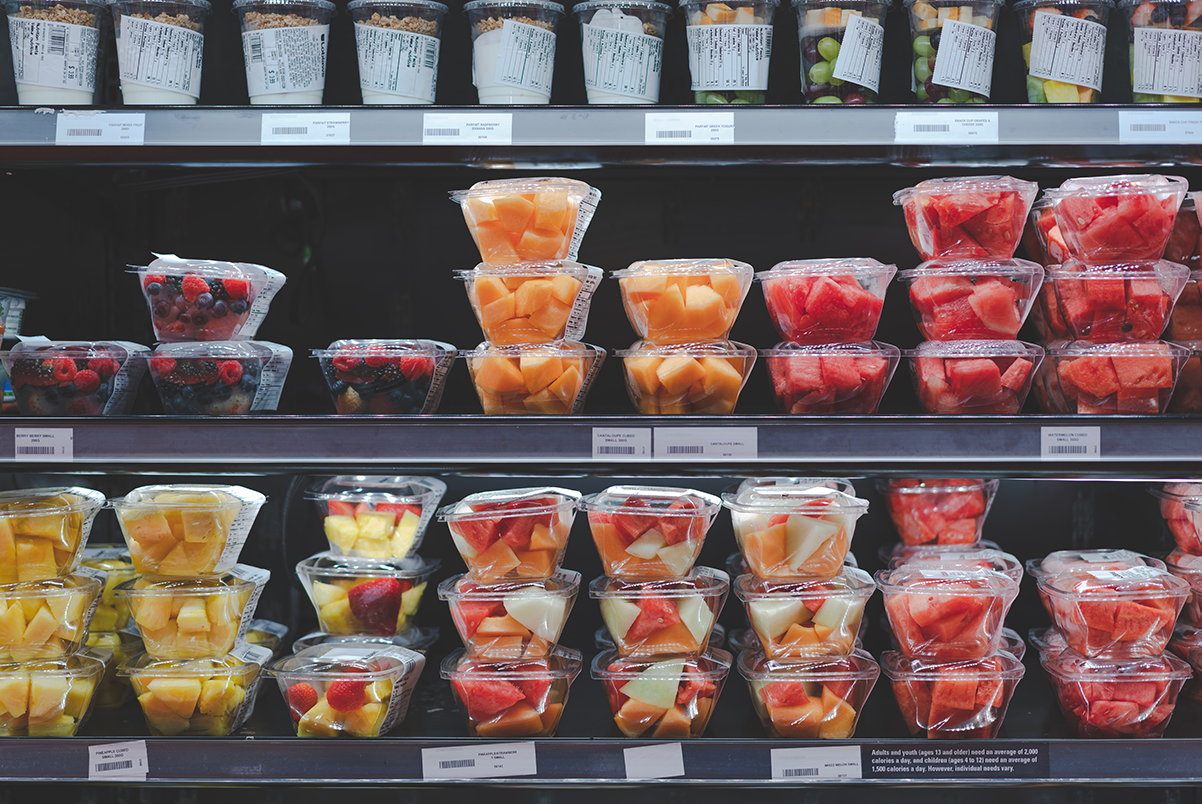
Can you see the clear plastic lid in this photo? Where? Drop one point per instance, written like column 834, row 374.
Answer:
column 859, row 666
column 425, row 5
column 324, row 5
column 1047, row 639
column 327, row 565
column 186, row 497
column 649, row 5
column 278, row 630
column 1014, row 268
column 163, row 586
column 1061, row 560
column 652, row 500
column 54, row 588
column 483, row 189
column 858, row 267
column 1000, row 665
column 227, row 666
column 1126, row 184
column 970, row 560
column 772, row 3
column 1069, row 666
column 1071, row 349
column 170, row 265
column 1013, row 643
column 562, row 663
column 713, row 665
column 414, row 638
column 842, row 484
column 889, row 551
column 50, row 501
column 1171, row 276
column 1121, row 584
column 1188, row 495
column 1025, row 5
column 80, row 665
column 936, row 485
column 549, row 268
column 852, row 583
column 382, row 349
column 1184, row 565
column 399, row 489
column 562, row 349
column 954, row 349
column 563, row 584
column 704, row 581
column 966, row 184
column 509, row 502
column 701, row 349
column 358, row 661
column 815, row 500
column 910, row 579
column 44, row 349
column 861, row 349
column 684, row 268
column 217, row 350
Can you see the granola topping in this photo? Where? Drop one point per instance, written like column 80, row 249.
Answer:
column 492, row 24
column 178, row 20
column 257, row 21
column 412, row 24
column 59, row 13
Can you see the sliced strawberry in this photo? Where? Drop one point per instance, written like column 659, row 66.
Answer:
column 346, row 695
column 376, row 604
column 399, row 509
column 301, row 698
column 340, row 508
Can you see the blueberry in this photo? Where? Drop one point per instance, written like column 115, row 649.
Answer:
column 175, row 405
column 365, row 390
column 1177, row 16
column 221, row 392
column 204, row 301
column 238, row 307
column 182, row 303
column 250, row 382
column 397, row 397
column 160, row 311
column 67, row 391
column 51, row 393
column 183, row 318
column 220, row 308
column 154, row 289
column 102, row 391
column 188, row 393
column 336, row 388
column 198, row 318
column 1160, row 12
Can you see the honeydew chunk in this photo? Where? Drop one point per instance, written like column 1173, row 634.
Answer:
column 804, row 536
column 327, row 593
column 834, row 613
column 772, row 618
column 14, row 695
column 677, row 557
column 657, row 685
column 619, row 615
column 696, row 616
column 341, row 530
column 47, row 696
column 543, row 614
column 192, row 617
column 648, row 545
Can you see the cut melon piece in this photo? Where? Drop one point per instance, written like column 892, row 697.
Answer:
column 648, row 545
column 834, row 613
column 644, row 372
column 499, row 375
column 619, row 615
column 722, row 380
column 804, row 536
column 40, row 629
column 704, row 309
column 772, row 618
column 489, row 289
column 657, row 685
column 513, row 212
column 539, row 371
column 47, row 697
column 677, row 374
column 678, row 558
column 14, row 695
column 543, row 614
column 697, row 617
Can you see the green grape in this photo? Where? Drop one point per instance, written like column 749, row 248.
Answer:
column 828, row 99
column 820, row 73
column 1035, row 93
column 828, row 48
column 922, row 69
column 922, row 46
column 959, row 96
column 1140, row 97
column 714, row 97
column 945, row 100
column 751, row 95
column 923, row 95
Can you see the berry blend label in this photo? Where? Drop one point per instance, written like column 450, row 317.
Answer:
column 729, row 56
column 1167, row 62
column 965, row 57
column 1068, row 50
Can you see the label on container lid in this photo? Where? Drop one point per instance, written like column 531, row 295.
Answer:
column 259, row 577
column 280, row 60
column 527, row 57
column 54, row 54
column 395, row 62
column 272, row 376
column 1128, row 574
column 729, row 57
column 965, row 57
column 159, row 55
column 1099, row 558
column 1167, row 62
column 1067, row 49
column 621, row 62
column 859, row 60
column 578, row 317
column 251, row 654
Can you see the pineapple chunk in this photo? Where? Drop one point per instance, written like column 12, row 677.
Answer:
column 404, row 534
column 342, row 531
column 47, row 697
column 14, row 695
column 40, row 629
column 192, row 618
column 219, row 696
column 62, row 726
column 160, row 718
column 336, row 617
column 179, row 695
column 78, row 697
column 320, row 721
column 366, row 720
column 375, row 525
column 12, row 625
column 326, row 593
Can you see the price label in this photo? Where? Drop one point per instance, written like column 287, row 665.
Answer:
column 941, row 128
column 654, row 761
column 118, row 761
column 1070, row 443
column 1167, row 62
column 51, row 444
column 479, row 762
column 616, row 444
column 1167, row 126
column 106, row 128
column 467, row 129
column 320, row 128
column 836, row 762
column 699, row 128
column 706, row 443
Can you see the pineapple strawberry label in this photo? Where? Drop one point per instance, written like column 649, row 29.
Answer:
column 397, row 62
column 1068, row 50
column 54, row 54
column 621, row 62
column 1167, row 62
column 526, row 57
column 859, row 60
column 965, row 57
column 156, row 54
column 289, row 59
column 259, row 577
column 729, row 56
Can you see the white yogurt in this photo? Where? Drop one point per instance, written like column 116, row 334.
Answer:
column 307, row 98
column 34, row 95
column 138, row 95
column 485, row 52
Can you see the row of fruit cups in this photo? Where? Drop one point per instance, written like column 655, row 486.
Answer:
column 1181, row 509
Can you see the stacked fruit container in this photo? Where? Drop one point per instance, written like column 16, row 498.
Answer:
column 970, row 296
column 529, row 294
column 111, row 628
column 1181, row 509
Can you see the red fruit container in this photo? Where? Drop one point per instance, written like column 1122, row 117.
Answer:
column 958, row 300
column 386, row 376
column 1181, row 507
column 671, row 617
column 1011, row 642
column 953, row 700
column 1187, row 396
column 510, row 621
column 826, row 301
column 977, row 217
column 832, row 378
column 1086, row 560
column 973, row 377
column 74, row 378
column 1185, row 322
column 500, row 700
column 1188, row 568
column 1185, row 241
column 1046, row 317
column 815, row 699
column 887, row 552
column 808, row 619
column 1186, row 645
column 1109, row 698
column 203, row 300
column 1117, row 303
column 664, row 699
column 969, row 560
column 1113, row 219
column 1048, row 247
column 946, row 615
column 1106, row 378
column 938, row 511
column 219, row 378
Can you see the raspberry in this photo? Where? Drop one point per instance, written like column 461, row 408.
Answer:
column 377, row 357
column 193, row 286
column 87, row 381
column 162, row 366
column 236, row 288
column 346, row 362
column 301, row 698
column 414, row 368
column 153, row 279
column 346, row 695
column 230, row 371
column 64, row 369
column 104, row 366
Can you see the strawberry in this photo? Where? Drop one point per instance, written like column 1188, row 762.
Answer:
column 346, row 695
column 415, row 367
column 153, row 279
column 193, row 286
column 236, row 288
column 104, row 366
column 399, row 509
column 64, row 369
column 376, row 604
column 362, row 508
column 340, row 508
column 162, row 366
column 301, row 698
column 87, row 381
column 230, row 371
column 377, row 357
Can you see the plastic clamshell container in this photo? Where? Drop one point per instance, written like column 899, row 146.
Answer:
column 821, row 23
column 662, row 699
column 972, row 299
column 118, row 647
column 1181, row 509
column 1188, row 568
column 1117, row 303
column 830, row 378
column 527, row 220
column 268, row 634
column 736, row 565
column 46, row 619
column 1122, row 378
column 48, row 697
column 1046, row 90
column 972, row 217
column 699, row 378
column 415, row 637
column 667, row 617
column 953, row 700
column 842, row 484
column 222, row 301
column 1085, row 560
column 112, row 612
column 189, row 618
column 215, row 378
column 684, row 301
column 43, row 531
column 944, row 615
column 787, row 533
column 604, row 641
column 994, row 560
column 1187, row 396
column 715, row 32
column 531, row 302
column 1116, row 698
column 387, row 598
column 1013, row 644
column 347, row 690
column 548, row 379
column 1047, row 640
column 887, row 552
column 1185, row 324
column 74, row 378
column 500, row 700
column 813, row 699
column 512, row 534
column 973, row 377
column 510, row 621
column 806, row 619
column 649, row 531
column 1186, row 645
column 948, row 512
column 186, row 530
column 386, row 376
column 376, row 516
column 1114, row 219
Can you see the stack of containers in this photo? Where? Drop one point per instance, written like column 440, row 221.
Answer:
column 662, row 677
column 1181, row 508
column 1115, row 295
column 807, row 678
column 1185, row 322
column 529, row 295
column 111, row 628
column 512, row 677
column 1114, row 613
column 192, row 603
column 970, row 296
column 48, row 679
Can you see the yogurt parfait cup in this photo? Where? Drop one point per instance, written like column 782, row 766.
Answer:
column 622, row 43
column 44, row 79
column 513, row 50
column 284, row 43
column 160, row 44
column 398, row 44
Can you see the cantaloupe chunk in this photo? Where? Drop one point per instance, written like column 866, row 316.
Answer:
column 550, row 210
column 540, row 370
column 635, row 717
column 567, row 386
column 519, row 720
column 675, row 724
column 665, row 313
column 35, row 560
column 532, row 295
column 543, row 538
column 565, row 288
column 643, row 370
column 40, row 629
column 513, row 212
column 546, row 403
column 488, row 289
column 678, row 373
column 536, row 563
column 721, row 379
column 703, row 308
column 840, row 721
column 496, row 561
column 765, row 550
column 494, row 244
column 639, row 289
column 501, row 626
column 499, row 311
column 676, row 638
column 552, row 318
column 477, row 210
column 720, row 13
column 12, row 625
column 803, row 720
column 499, row 375
column 542, row 244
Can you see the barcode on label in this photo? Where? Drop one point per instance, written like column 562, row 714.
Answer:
column 790, row 772
column 1148, row 127
column 256, row 48
column 925, row 127
column 35, row 450
column 615, row 450
column 674, row 135
column 456, row 763
column 58, row 42
column 442, row 132
column 431, row 57
column 108, row 766
column 678, row 450
column 290, row 130
column 84, row 132
column 1070, row 449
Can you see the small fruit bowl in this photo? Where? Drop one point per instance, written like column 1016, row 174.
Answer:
column 512, row 534
column 943, row 615
column 376, row 516
column 46, row 619
column 112, row 612
column 700, row 378
column 973, row 377
column 969, row 559
column 668, row 617
column 1117, row 303
column 415, row 638
column 191, row 618
column 43, row 531
column 1085, row 560
column 1187, row 396
column 938, row 511
column 121, row 646
column 347, row 690
column 540, row 302
column 48, row 697
column 74, row 378
column 1107, row 220
column 510, row 621
column 826, row 301
column 958, row 700
column 1188, row 568
column 355, row 596
column 224, row 378
column 972, row 217
column 1181, row 509
column 666, row 699
column 649, row 531
column 1185, row 324
column 201, row 300
column 548, row 379
column 501, row 700
column 815, row 699
column 684, row 301
column 604, row 641
column 1122, row 378
column 527, row 220
column 964, row 300
column 830, row 378
column 807, row 619
column 390, row 377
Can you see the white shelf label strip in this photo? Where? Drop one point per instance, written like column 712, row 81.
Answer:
column 612, row 444
column 99, row 128
column 689, row 128
column 944, row 128
column 654, row 761
column 118, row 761
column 49, row 444
column 837, row 762
column 479, row 761
column 467, row 129
column 1161, row 126
column 706, row 443
column 1070, row 443
column 312, row 128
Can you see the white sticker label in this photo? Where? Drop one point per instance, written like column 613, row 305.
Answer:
column 1169, row 126
column 1099, row 558
column 698, row 128
column 1167, row 62
column 1130, row 574
column 1070, row 443
column 611, row 444
column 706, row 443
column 397, row 62
column 836, row 762
column 286, row 59
column 259, row 577
column 99, row 128
column 859, row 59
column 251, row 501
column 965, row 58
column 654, row 761
column 156, row 54
column 936, row 128
column 54, row 54
column 479, row 762
column 622, row 63
column 527, row 57
column 53, row 444
column 1067, row 49
column 118, row 761
column 331, row 128
column 729, row 56
column 467, row 129
column 272, row 377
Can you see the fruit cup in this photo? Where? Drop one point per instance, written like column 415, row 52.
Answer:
column 887, row 552
column 1185, row 322
column 510, row 621
column 373, row 516
column 1116, row 698
column 1186, row 645
column 1117, row 303
column 665, row 699
column 1181, row 508
column 43, row 531
column 699, row 378
column 1185, row 241
column 513, row 50
column 1154, row 68
column 1187, row 397
column 186, row 530
column 347, row 690
column 807, row 619
column 1118, row 377
column 1064, row 42
column 670, row 617
column 1050, row 248
column 649, row 531
column 1189, row 569
column 500, row 700
column 951, row 558
column 219, row 378
column 160, row 66
column 604, row 641
column 285, row 67
column 622, row 44
column 938, row 511
column 684, row 301
column 46, row 77
column 112, row 690
column 415, row 638
column 112, row 612
column 386, row 376
column 954, row 700
column 50, row 697
column 268, row 634
column 398, row 46
column 1108, row 220
column 956, row 300
column 47, row 619
column 814, row 699
column 966, row 217
column 729, row 64
column 203, row 300
column 830, row 379
column 527, row 220
column 550, row 379
column 1086, row 560
column 540, row 302
column 826, row 301
column 355, row 596
column 944, row 615
column 966, row 76
column 973, row 377
column 512, row 533
column 74, row 378
column 830, row 28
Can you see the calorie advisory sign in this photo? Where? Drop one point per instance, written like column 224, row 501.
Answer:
column 1000, row 760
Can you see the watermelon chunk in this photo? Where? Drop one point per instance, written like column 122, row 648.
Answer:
column 485, row 698
column 468, row 614
column 784, row 693
column 656, row 614
column 974, row 377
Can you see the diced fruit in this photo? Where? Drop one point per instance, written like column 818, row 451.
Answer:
column 681, row 304
column 938, row 511
column 510, row 228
